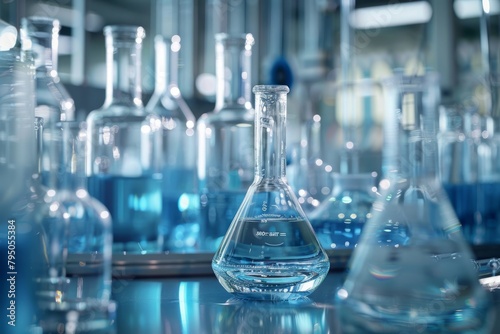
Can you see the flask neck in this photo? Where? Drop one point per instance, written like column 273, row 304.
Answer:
column 166, row 63
column 123, row 65
column 67, row 157
column 270, row 131
column 411, row 149
column 40, row 37
column 232, row 69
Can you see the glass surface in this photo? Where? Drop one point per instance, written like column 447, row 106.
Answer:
column 226, row 151
column 180, row 222
column 124, row 148
column 412, row 267
column 270, row 251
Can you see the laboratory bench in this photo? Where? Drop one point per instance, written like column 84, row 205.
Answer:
column 179, row 293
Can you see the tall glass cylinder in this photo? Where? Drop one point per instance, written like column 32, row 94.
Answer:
column 412, row 269
column 18, row 233
column 225, row 139
column 180, row 219
column 124, row 148
column 270, row 251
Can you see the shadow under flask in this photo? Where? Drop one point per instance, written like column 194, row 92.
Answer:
column 270, row 251
column 412, row 269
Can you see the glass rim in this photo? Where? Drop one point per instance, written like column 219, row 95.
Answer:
column 129, row 30
column 271, row 89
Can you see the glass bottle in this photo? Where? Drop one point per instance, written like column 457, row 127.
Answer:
column 180, row 215
column 39, row 39
column 270, row 251
column 339, row 220
column 225, row 135
column 411, row 270
column 124, row 148
column 78, row 233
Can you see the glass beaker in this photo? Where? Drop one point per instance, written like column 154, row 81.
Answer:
column 411, row 270
column 39, row 40
column 225, row 148
column 180, row 225
column 270, row 251
column 124, row 148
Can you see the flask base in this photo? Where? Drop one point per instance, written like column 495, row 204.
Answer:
column 272, row 283
column 358, row 317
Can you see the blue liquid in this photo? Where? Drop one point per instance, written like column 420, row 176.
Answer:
column 338, row 233
column 271, row 259
column 217, row 212
column 339, row 221
column 181, row 210
column 135, row 204
column 478, row 210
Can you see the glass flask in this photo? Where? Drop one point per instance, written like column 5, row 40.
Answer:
column 458, row 163
column 339, row 219
column 180, row 215
column 270, row 251
column 411, row 270
column 39, row 39
column 225, row 140
column 124, row 148
column 77, row 231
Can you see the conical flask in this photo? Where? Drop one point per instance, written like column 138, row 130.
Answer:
column 270, row 251
column 412, row 269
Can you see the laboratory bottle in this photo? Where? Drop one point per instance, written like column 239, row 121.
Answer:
column 270, row 251
column 77, row 232
column 339, row 219
column 225, row 139
column 180, row 222
column 124, row 148
column 39, row 41
column 411, row 270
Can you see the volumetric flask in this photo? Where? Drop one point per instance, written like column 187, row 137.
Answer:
column 270, row 251
column 411, row 271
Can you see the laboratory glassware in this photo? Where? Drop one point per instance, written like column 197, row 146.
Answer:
column 180, row 224
column 412, row 267
column 340, row 218
column 18, row 236
column 39, row 41
column 270, row 251
column 124, row 148
column 225, row 140
column 77, row 231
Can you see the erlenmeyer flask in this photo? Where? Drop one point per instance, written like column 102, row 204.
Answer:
column 270, row 251
column 339, row 220
column 180, row 225
column 412, row 269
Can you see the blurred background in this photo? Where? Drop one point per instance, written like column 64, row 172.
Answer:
column 440, row 34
